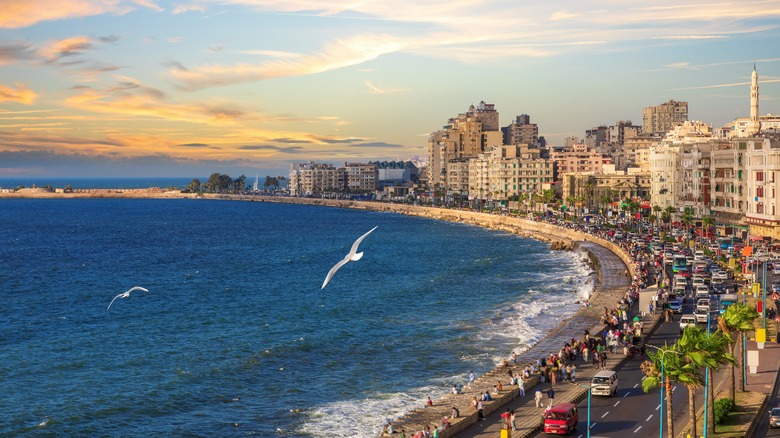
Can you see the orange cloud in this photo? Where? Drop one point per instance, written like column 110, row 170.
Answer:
column 19, row 94
column 22, row 13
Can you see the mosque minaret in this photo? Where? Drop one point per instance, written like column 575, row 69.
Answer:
column 754, row 126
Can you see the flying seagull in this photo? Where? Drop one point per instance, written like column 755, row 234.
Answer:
column 353, row 256
column 125, row 295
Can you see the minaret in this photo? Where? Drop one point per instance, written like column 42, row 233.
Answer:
column 754, row 125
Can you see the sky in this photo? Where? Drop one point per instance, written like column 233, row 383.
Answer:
column 99, row 88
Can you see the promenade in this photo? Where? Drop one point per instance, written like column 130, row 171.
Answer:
column 612, row 287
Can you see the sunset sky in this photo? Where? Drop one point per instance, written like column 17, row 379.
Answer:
column 96, row 88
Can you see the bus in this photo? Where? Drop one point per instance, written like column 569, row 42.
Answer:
column 726, row 300
column 679, row 264
column 725, row 243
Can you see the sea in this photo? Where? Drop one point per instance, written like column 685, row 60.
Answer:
column 236, row 336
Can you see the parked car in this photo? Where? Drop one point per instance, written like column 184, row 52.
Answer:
column 774, row 418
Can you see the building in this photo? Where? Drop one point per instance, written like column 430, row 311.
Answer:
column 509, row 172
column 578, row 159
column 463, row 137
column 395, row 173
column 664, row 117
column 749, row 127
column 521, row 131
column 361, row 177
column 307, row 179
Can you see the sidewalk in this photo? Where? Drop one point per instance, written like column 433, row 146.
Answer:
column 529, row 417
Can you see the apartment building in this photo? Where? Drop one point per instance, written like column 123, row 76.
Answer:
column 361, row 177
column 578, row 159
column 664, row 117
column 309, row 178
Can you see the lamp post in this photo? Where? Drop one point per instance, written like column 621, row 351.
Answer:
column 663, row 387
column 589, row 387
column 706, row 381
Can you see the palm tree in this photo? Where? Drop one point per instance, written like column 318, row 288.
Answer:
column 706, row 223
column 735, row 320
column 570, row 202
column 661, row 362
column 719, row 348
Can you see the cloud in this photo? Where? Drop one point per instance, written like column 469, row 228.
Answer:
column 57, row 50
column 338, row 54
column 13, row 52
column 286, row 150
column 18, row 94
column 22, row 13
column 690, row 37
column 734, row 84
column 195, row 145
column 563, row 15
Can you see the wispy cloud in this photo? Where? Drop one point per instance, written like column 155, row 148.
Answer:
column 338, row 54
column 373, row 89
column 12, row 52
column 22, row 13
column 563, row 15
column 17, row 94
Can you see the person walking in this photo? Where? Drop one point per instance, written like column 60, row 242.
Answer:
column 538, row 397
column 472, row 376
column 550, row 396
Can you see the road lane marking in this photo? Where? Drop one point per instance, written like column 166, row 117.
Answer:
column 648, row 418
column 637, row 429
column 636, row 385
column 593, row 424
column 656, row 408
column 626, row 394
column 616, row 403
column 605, row 414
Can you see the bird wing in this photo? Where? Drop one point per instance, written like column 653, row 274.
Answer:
column 354, row 248
column 333, row 271
column 112, row 301
column 134, row 288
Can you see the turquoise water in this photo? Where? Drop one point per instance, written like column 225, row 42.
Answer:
column 235, row 336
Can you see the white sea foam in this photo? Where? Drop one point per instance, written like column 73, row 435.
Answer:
column 517, row 325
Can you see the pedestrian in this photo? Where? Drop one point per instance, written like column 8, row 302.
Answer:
column 551, row 396
column 512, row 419
column 538, row 397
column 480, row 407
column 472, row 376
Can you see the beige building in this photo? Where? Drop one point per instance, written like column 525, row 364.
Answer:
column 762, row 167
column 579, row 159
column 664, row 117
column 521, row 131
column 463, row 137
column 361, row 177
column 508, row 171
column 314, row 178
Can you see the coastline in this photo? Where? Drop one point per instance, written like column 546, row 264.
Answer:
column 605, row 294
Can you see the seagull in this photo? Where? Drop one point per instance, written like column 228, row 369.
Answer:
column 353, row 256
column 125, row 295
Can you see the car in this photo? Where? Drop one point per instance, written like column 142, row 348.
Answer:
column 605, row 382
column 701, row 315
column 703, row 303
column 775, row 287
column 774, row 418
column 719, row 275
column 675, row 306
column 561, row 419
column 686, row 320
column 702, row 291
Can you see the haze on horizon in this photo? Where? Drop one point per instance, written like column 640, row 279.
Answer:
column 176, row 88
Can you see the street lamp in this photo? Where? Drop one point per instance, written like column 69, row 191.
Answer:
column 663, row 387
column 589, row 386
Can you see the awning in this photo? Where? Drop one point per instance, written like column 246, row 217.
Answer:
column 747, row 251
column 756, row 237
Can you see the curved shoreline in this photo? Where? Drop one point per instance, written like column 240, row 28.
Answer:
column 605, row 293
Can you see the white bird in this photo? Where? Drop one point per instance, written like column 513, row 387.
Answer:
column 353, row 256
column 43, row 423
column 125, row 295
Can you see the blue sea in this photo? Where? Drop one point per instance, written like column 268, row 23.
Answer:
column 235, row 336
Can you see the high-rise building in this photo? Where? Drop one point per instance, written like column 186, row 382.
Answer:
column 664, row 117
column 312, row 178
column 521, row 131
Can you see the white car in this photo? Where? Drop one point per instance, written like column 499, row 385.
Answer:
column 719, row 275
column 686, row 320
column 702, row 291
column 703, row 304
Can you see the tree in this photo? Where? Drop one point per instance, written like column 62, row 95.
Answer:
column 195, row 185
column 667, row 359
column 718, row 347
column 736, row 319
column 218, row 183
column 271, row 182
